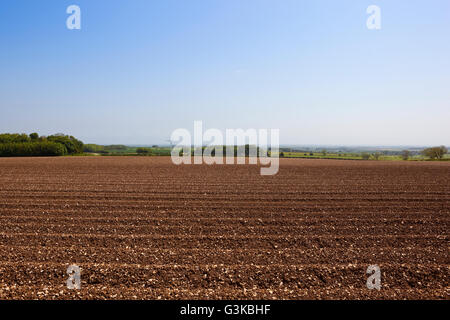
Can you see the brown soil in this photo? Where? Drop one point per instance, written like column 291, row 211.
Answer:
column 143, row 228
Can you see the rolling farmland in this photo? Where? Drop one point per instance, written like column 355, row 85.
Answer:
column 143, row 228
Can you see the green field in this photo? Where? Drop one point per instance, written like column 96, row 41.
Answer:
column 353, row 156
column 123, row 150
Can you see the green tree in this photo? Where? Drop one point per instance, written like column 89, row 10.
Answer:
column 22, row 145
column 435, row 152
column 32, row 149
column 14, row 138
column 94, row 148
column 73, row 145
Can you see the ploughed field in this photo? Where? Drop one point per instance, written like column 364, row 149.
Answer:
column 143, row 228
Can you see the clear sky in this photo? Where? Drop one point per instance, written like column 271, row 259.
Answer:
column 139, row 69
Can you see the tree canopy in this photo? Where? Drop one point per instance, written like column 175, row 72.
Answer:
column 23, row 145
column 435, row 152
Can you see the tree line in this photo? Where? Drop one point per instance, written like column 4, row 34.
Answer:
column 32, row 145
column 433, row 153
column 23, row 145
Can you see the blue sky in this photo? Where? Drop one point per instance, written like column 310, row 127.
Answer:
column 139, row 69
